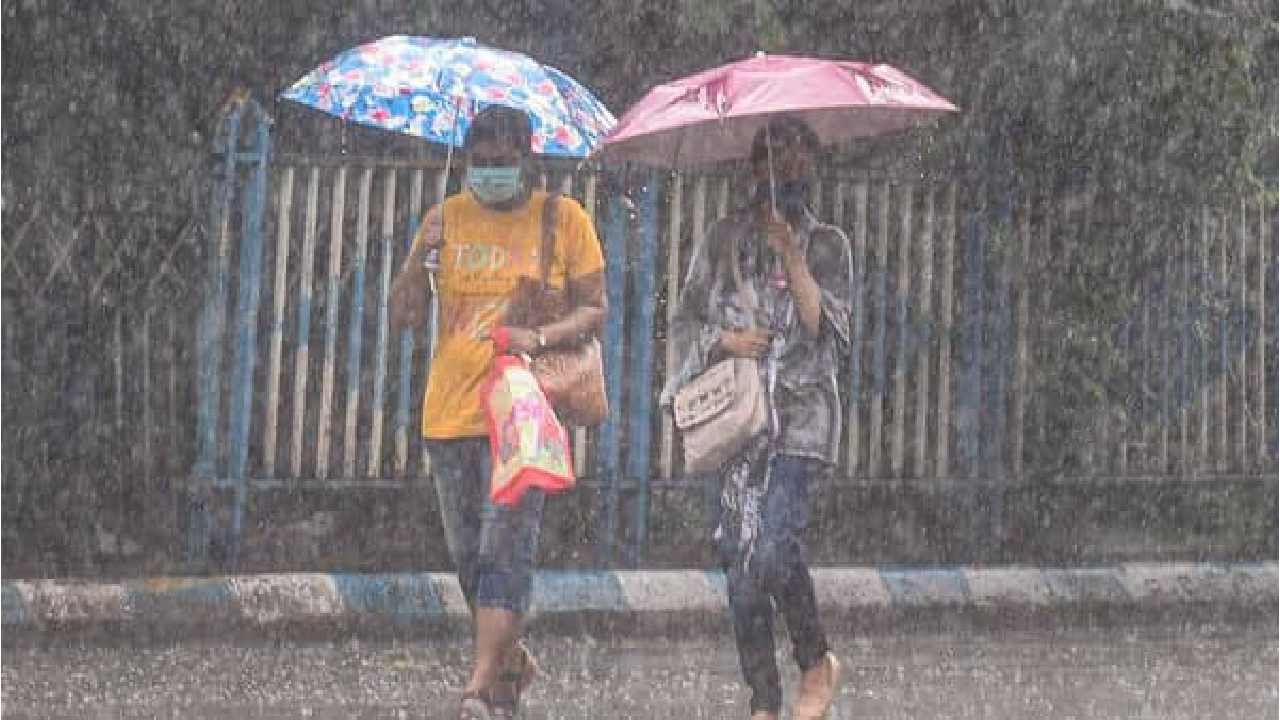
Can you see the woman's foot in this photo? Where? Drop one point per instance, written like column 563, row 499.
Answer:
column 474, row 708
column 818, row 686
column 519, row 673
column 764, row 715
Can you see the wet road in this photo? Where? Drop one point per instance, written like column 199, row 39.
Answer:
column 1155, row 672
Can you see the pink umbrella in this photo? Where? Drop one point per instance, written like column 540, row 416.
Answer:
column 712, row 116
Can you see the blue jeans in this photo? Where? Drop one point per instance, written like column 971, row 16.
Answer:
column 492, row 546
column 778, row 576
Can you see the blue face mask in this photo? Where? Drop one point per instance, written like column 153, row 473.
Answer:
column 494, row 185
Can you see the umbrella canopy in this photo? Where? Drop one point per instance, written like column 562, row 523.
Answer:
column 712, row 116
column 432, row 87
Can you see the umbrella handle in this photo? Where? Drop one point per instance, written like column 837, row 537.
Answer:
column 768, row 147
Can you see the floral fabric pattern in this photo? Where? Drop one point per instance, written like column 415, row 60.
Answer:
column 432, row 87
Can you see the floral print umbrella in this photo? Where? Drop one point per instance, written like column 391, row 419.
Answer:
column 432, row 87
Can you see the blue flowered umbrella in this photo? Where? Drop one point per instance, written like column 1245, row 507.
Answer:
column 432, row 87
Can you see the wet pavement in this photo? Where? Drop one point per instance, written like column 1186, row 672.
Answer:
column 1166, row 672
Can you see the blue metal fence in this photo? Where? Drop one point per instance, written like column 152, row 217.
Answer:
column 977, row 326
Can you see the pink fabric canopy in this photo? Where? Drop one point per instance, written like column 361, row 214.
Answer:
column 712, row 116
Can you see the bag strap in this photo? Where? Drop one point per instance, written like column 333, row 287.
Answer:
column 549, row 215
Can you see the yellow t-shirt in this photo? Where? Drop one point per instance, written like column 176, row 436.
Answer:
column 485, row 252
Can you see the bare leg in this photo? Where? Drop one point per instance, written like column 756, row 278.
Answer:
column 496, row 630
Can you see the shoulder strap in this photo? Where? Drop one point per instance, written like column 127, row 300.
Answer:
column 549, row 213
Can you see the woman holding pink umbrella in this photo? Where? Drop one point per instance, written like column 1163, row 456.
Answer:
column 771, row 284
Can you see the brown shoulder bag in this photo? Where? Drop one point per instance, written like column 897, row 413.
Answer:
column 571, row 376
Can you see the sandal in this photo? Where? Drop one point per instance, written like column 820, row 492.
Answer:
column 474, row 707
column 503, row 696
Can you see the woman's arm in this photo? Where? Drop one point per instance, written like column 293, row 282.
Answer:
column 586, row 316
column 408, row 307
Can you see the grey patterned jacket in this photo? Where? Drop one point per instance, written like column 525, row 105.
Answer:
column 806, row 396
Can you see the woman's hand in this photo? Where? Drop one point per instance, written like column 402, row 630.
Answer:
column 800, row 280
column 432, row 231
column 408, row 302
column 781, row 239
column 744, row 343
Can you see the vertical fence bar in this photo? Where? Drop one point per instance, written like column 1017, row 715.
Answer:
column 1140, row 406
column 970, row 429
column 902, row 292
column 284, row 229
column 875, row 415
column 1186, row 464
column 860, row 198
column 118, row 435
column 1241, row 276
column 1000, row 320
column 722, row 198
column 246, row 353
column 640, row 360
column 405, row 386
column 386, row 250
column 1021, row 310
column 1043, row 326
column 698, row 230
column 117, row 374
column 946, row 295
column 332, row 305
column 667, row 450
column 1221, row 287
column 173, row 438
column 580, row 446
column 837, row 204
column 355, row 326
column 1202, row 344
column 1165, row 338
column 301, row 358
column 212, row 321
column 1118, row 407
column 1125, row 347
column 1100, row 441
column 607, row 453
column 1263, row 264
column 925, row 342
column 148, row 417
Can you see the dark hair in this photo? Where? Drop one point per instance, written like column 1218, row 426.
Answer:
column 501, row 123
column 780, row 127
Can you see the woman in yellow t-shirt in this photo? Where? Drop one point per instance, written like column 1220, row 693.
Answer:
column 488, row 237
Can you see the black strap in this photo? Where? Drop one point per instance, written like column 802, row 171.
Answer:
column 549, row 212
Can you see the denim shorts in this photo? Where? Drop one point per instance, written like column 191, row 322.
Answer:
column 492, row 546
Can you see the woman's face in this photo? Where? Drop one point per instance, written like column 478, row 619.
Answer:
column 792, row 158
column 495, row 152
